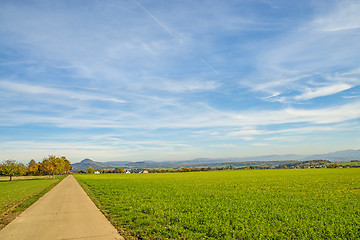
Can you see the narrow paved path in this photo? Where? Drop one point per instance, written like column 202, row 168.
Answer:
column 65, row 212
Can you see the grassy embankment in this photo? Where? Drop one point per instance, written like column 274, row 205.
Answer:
column 17, row 195
column 258, row 204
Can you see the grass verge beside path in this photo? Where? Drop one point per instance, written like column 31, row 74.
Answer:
column 258, row 204
column 16, row 196
column 121, row 229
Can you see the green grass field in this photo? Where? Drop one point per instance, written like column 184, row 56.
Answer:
column 349, row 163
column 257, row 204
column 14, row 192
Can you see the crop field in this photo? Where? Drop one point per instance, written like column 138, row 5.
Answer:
column 14, row 192
column 255, row 204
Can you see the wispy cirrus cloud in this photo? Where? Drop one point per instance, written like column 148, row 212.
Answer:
column 323, row 91
column 344, row 17
column 196, row 115
column 317, row 52
column 24, row 88
column 285, row 132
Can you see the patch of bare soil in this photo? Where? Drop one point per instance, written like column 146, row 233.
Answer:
column 5, row 219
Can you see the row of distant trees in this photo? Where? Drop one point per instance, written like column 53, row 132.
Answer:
column 50, row 165
column 156, row 170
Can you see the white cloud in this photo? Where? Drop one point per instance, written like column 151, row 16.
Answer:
column 344, row 17
column 324, row 115
column 323, row 91
column 157, row 115
column 97, row 150
column 247, row 132
column 224, row 146
column 275, row 140
column 247, row 138
column 285, row 134
column 309, row 54
column 260, row 144
column 25, row 88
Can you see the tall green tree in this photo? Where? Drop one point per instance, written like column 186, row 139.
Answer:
column 47, row 167
column 11, row 168
column 32, row 163
column 53, row 165
column 119, row 170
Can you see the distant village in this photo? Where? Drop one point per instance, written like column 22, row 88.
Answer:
column 251, row 165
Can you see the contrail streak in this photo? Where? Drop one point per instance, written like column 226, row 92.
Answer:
column 158, row 21
column 212, row 68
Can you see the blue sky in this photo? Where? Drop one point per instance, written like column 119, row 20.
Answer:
column 175, row 80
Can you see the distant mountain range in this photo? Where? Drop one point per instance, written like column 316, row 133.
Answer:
column 346, row 155
column 336, row 156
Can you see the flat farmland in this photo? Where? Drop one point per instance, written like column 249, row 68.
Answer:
column 254, row 204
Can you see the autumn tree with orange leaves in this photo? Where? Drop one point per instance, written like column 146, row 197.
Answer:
column 50, row 165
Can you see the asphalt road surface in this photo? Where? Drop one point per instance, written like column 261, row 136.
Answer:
column 65, row 213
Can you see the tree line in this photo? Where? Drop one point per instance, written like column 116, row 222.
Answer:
column 50, row 165
column 93, row 170
column 156, row 170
